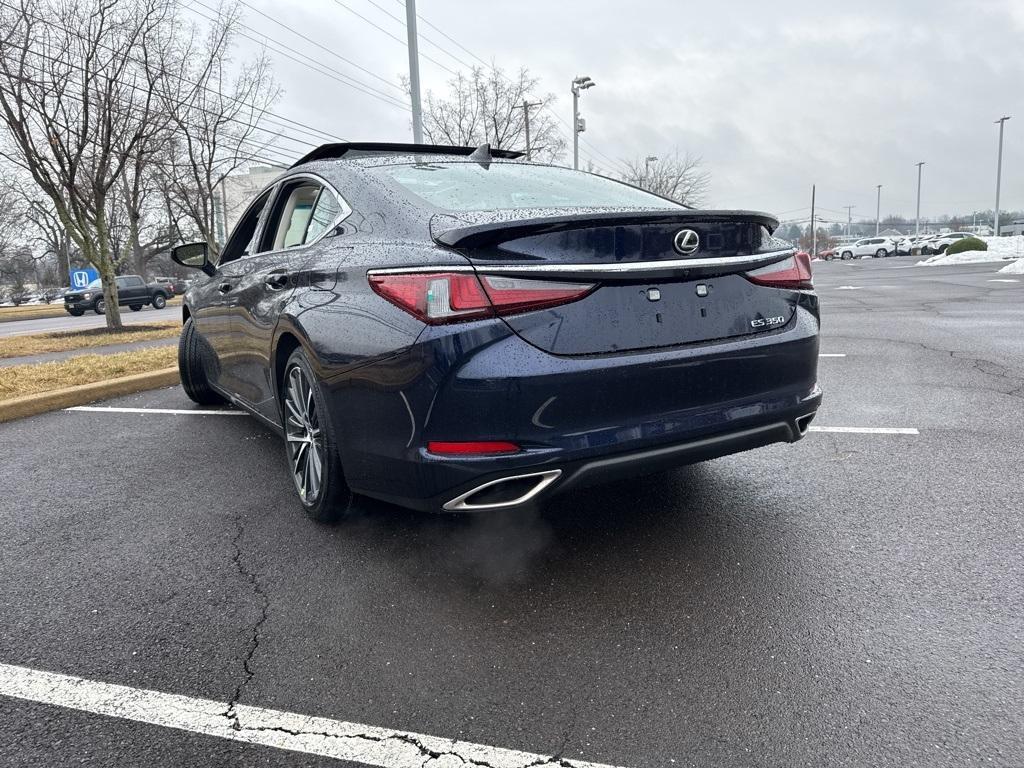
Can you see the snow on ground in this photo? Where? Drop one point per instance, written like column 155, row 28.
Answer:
column 999, row 249
column 1016, row 268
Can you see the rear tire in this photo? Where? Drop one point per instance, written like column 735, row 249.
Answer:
column 191, row 370
column 311, row 442
column 76, row 312
column 136, row 307
column 159, row 301
column 100, row 307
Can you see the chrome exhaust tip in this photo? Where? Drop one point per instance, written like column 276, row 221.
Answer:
column 504, row 492
column 803, row 423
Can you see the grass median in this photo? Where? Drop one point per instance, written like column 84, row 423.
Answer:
column 56, row 309
column 63, row 341
column 20, row 380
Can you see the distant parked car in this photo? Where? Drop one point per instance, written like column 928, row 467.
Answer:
column 175, row 285
column 939, row 243
column 132, row 291
column 877, row 247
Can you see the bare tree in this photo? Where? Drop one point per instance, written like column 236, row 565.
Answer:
column 216, row 116
column 487, row 107
column 677, row 176
column 78, row 101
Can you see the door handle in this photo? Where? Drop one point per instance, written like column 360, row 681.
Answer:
column 276, row 280
column 224, row 287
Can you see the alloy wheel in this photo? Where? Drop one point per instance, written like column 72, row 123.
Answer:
column 304, row 436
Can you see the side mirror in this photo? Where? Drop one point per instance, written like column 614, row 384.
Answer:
column 194, row 255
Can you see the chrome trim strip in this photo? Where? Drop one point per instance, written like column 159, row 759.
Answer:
column 755, row 260
column 459, row 503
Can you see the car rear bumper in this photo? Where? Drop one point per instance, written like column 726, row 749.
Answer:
column 590, row 418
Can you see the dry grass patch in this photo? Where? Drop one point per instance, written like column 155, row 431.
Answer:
column 62, row 341
column 19, row 380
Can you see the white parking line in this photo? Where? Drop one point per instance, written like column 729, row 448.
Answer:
column 1003, row 280
column 831, row 354
column 336, row 739
column 175, row 411
column 867, row 430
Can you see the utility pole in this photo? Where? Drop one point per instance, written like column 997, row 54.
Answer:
column 878, row 209
column 849, row 217
column 917, row 225
column 578, row 126
column 814, row 229
column 526, row 119
column 999, row 171
column 414, row 72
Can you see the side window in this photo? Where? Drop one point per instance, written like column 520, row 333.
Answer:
column 303, row 210
column 243, row 238
column 122, row 282
column 293, row 209
column 325, row 212
column 136, row 282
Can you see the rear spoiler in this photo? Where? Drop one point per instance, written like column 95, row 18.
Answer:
column 450, row 230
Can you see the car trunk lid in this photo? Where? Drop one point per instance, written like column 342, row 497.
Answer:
column 663, row 278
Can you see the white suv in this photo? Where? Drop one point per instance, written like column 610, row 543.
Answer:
column 940, row 243
column 869, row 246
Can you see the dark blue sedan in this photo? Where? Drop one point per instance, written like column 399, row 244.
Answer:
column 449, row 328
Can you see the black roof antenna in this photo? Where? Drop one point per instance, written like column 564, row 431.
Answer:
column 482, row 155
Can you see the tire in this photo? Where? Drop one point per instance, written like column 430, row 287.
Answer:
column 136, row 307
column 881, row 253
column 159, row 301
column 76, row 312
column 847, row 255
column 309, row 434
column 191, row 370
column 926, row 251
column 942, row 248
column 100, row 307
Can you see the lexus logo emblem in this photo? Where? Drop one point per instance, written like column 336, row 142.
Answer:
column 686, row 242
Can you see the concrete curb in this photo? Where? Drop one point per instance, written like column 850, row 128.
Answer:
column 31, row 405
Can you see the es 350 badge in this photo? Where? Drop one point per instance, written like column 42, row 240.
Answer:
column 767, row 322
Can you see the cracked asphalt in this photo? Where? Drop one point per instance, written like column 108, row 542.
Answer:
column 850, row 600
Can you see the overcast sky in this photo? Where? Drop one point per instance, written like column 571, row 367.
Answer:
column 774, row 95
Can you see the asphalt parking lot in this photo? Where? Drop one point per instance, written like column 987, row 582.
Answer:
column 850, row 600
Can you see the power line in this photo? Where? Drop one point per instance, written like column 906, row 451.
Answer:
column 337, row 55
column 421, row 36
column 310, row 130
column 393, row 37
column 316, row 66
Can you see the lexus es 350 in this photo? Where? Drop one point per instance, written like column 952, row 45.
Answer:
column 449, row 328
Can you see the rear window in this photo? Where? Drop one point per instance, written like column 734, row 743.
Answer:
column 471, row 187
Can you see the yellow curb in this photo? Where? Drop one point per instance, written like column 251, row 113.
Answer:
column 41, row 402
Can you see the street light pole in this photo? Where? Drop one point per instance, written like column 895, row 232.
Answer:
column 917, row 225
column 647, row 168
column 849, row 217
column 578, row 84
column 999, row 171
column 878, row 209
column 414, row 72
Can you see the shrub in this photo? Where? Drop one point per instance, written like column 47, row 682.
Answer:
column 967, row 244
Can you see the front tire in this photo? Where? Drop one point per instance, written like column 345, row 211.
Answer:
column 159, row 301
column 847, row 255
column 76, row 312
column 100, row 307
column 191, row 370
column 136, row 307
column 311, row 444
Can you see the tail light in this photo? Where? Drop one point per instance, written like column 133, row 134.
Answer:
column 451, row 297
column 793, row 273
